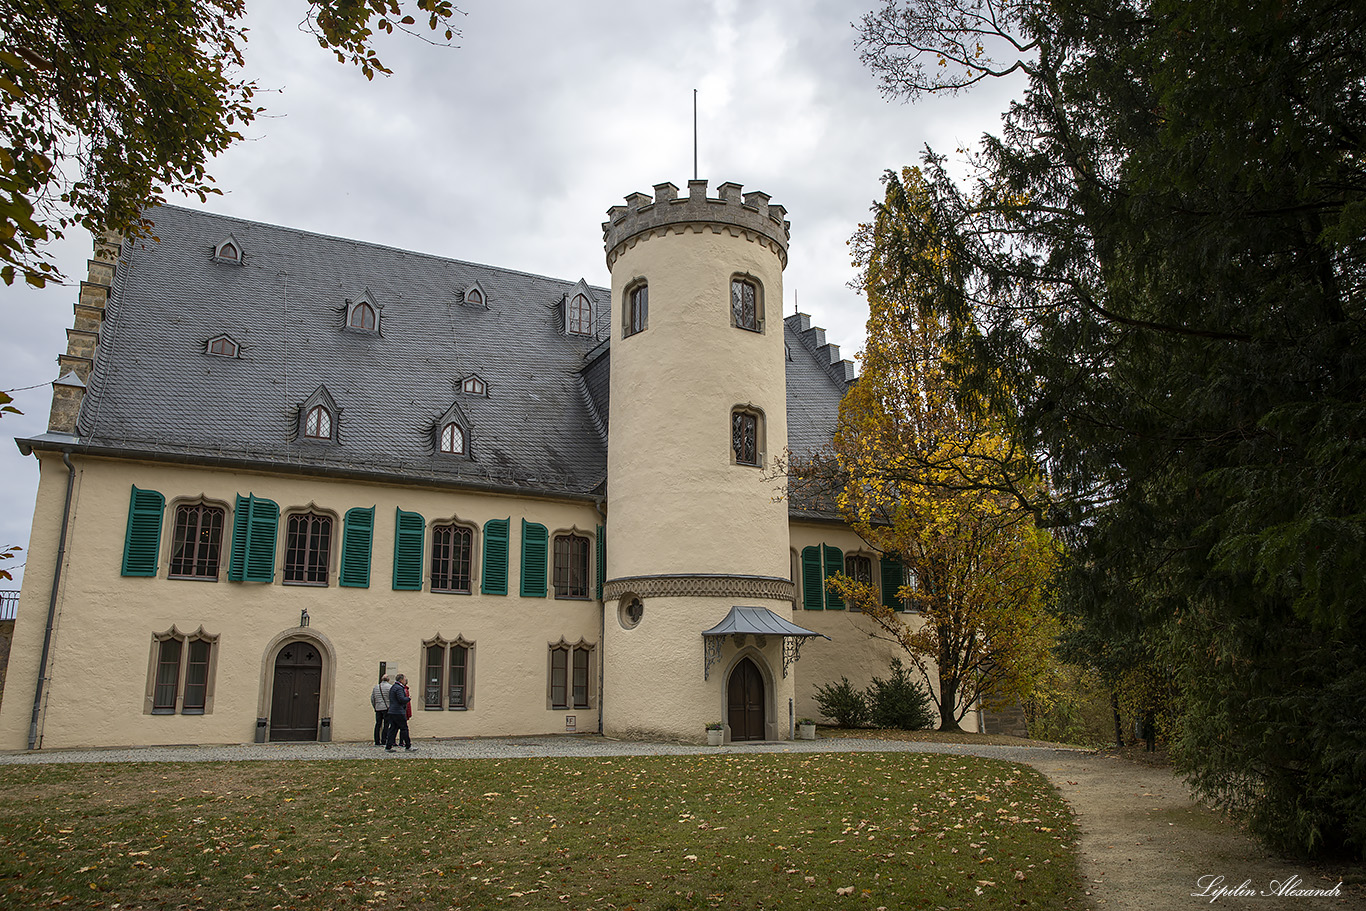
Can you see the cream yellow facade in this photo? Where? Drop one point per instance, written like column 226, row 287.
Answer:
column 679, row 523
column 98, row 676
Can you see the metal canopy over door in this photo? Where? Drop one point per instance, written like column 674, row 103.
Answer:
column 746, row 702
column 298, row 684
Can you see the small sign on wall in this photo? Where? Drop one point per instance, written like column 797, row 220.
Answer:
column 571, row 723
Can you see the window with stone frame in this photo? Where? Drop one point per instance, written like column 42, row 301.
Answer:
column 745, row 304
column 571, row 576
column 637, row 314
column 859, row 568
column 197, row 542
column 448, row 674
column 745, row 437
column 308, row 549
column 452, row 558
column 180, row 673
column 571, row 676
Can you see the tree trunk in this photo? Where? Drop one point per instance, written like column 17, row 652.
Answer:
column 948, row 706
column 1119, row 727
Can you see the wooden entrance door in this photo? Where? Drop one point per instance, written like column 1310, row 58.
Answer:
column 298, row 685
column 746, row 701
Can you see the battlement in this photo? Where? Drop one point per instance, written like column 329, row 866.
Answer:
column 750, row 213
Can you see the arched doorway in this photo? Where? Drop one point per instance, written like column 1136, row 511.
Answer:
column 296, row 694
column 745, row 702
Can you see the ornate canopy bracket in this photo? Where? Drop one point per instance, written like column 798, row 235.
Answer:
column 758, row 622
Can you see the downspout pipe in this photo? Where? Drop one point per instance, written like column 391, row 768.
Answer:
column 599, row 505
column 52, row 603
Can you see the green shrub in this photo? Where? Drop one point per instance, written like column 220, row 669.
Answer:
column 846, row 705
column 899, row 702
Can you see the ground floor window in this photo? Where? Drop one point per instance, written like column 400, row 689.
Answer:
column 180, row 673
column 571, row 675
column 448, row 678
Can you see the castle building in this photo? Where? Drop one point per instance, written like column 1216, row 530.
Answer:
column 280, row 464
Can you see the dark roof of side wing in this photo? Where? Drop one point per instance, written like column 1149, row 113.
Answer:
column 154, row 389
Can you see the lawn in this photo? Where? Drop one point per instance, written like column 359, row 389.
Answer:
column 858, row 830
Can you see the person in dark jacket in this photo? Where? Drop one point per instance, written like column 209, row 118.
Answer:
column 399, row 700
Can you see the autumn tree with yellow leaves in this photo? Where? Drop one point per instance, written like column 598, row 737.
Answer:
column 919, row 472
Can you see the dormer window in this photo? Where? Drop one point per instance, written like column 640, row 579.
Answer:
column 580, row 315
column 319, row 417
column 228, row 251
column 578, row 310
column 475, row 296
column 451, row 433
column 363, row 314
column 318, row 423
column 473, row 385
column 453, row 439
column 362, row 317
column 222, row 346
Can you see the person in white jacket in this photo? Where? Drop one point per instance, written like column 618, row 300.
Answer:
column 379, row 699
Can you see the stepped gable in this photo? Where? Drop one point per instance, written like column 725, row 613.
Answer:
column 817, row 379
column 282, row 301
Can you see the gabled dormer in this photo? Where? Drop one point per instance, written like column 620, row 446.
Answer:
column 363, row 313
column 319, row 418
column 229, row 252
column 579, row 313
column 451, row 433
column 474, row 385
column 475, row 296
column 222, row 345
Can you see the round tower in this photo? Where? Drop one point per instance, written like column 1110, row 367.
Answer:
column 698, row 416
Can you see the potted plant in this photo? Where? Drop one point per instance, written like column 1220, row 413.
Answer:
column 806, row 729
column 715, row 732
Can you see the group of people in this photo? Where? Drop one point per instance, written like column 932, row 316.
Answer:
column 393, row 706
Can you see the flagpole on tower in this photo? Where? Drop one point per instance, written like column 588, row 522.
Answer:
column 694, row 134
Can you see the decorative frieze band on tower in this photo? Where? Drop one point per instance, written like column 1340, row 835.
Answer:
column 83, row 338
column 747, row 214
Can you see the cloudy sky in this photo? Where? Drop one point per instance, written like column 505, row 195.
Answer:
column 508, row 150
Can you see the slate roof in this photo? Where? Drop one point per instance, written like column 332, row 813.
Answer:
column 541, row 428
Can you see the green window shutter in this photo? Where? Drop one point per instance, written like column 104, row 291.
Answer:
column 834, row 564
column 602, row 558
column 535, row 552
column 892, row 580
column 358, row 533
column 255, row 523
column 813, row 580
column 409, row 532
column 495, row 576
column 142, row 543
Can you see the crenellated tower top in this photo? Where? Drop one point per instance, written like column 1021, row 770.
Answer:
column 749, row 214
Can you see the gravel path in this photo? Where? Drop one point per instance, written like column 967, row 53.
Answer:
column 1145, row 843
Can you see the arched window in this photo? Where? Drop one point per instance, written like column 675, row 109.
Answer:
column 746, row 437
column 362, row 317
column 229, row 252
column 318, row 425
column 453, row 439
column 745, row 304
column 637, row 314
column 580, row 321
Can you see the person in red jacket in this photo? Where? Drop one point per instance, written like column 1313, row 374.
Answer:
column 400, row 709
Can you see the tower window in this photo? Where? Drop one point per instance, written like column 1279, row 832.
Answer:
column 744, row 304
column 580, row 316
column 637, row 315
column 318, row 425
column 744, row 437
